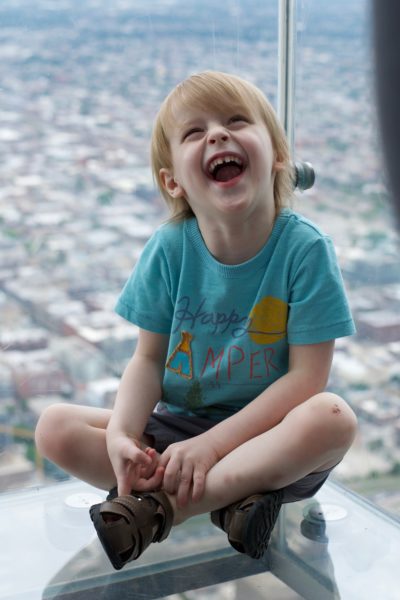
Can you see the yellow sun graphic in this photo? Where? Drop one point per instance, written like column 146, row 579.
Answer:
column 268, row 321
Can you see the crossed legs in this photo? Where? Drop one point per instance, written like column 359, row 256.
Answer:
column 313, row 437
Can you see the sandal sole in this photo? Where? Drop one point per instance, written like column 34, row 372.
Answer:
column 260, row 523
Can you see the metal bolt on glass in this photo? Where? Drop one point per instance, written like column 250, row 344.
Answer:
column 303, row 176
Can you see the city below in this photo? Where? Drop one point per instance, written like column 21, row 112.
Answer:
column 80, row 89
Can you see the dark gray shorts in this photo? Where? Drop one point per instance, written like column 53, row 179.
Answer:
column 166, row 429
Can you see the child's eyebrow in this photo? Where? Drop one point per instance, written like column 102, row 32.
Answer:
column 183, row 126
column 189, row 122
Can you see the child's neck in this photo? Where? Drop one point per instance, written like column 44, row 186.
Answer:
column 235, row 242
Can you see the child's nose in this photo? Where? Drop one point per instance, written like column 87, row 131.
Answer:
column 217, row 134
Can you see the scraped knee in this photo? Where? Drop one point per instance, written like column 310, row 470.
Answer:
column 337, row 417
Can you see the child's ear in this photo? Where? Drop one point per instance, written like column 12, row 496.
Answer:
column 279, row 165
column 170, row 184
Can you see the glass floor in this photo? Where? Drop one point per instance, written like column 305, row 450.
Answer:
column 335, row 545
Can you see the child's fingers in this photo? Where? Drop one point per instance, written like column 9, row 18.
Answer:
column 152, row 452
column 140, row 478
column 172, row 476
column 124, row 486
column 152, row 483
column 148, row 469
column 136, row 456
column 184, row 484
column 199, row 481
column 156, row 480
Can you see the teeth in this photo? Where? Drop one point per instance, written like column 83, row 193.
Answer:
column 221, row 161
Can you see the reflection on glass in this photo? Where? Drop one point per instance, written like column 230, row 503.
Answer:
column 336, row 130
column 333, row 546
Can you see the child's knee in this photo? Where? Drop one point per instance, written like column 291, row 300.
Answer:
column 334, row 418
column 326, row 421
column 50, row 435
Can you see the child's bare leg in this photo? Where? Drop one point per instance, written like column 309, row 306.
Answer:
column 313, row 437
column 74, row 438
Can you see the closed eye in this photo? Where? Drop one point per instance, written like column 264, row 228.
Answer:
column 191, row 132
column 239, row 119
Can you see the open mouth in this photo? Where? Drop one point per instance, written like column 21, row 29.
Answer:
column 226, row 168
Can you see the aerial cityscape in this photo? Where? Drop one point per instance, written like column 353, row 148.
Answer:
column 80, row 86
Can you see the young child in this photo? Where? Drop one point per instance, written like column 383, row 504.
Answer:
column 222, row 407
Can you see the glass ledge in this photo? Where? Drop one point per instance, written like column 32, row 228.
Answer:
column 336, row 545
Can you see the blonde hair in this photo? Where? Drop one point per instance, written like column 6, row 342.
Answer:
column 216, row 90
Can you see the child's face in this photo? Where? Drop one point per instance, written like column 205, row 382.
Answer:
column 223, row 163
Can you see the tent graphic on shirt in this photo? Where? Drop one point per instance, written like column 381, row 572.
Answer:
column 181, row 359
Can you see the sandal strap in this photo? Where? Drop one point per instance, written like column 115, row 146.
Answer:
column 114, row 509
column 249, row 522
column 222, row 517
column 158, row 512
column 116, row 536
column 145, row 517
column 119, row 536
column 123, row 535
column 166, row 513
column 235, row 517
column 142, row 520
column 235, row 529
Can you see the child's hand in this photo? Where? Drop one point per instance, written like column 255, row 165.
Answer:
column 135, row 468
column 186, row 466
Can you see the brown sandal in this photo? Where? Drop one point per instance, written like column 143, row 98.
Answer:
column 249, row 522
column 127, row 525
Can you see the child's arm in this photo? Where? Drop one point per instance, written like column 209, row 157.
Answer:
column 138, row 393
column 308, row 373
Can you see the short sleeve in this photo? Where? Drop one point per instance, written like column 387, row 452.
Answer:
column 146, row 297
column 318, row 307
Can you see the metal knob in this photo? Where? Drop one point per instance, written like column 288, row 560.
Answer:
column 303, row 176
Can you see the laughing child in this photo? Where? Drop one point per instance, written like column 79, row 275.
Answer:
column 238, row 301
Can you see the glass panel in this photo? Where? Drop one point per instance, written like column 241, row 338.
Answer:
column 81, row 83
column 336, row 130
column 330, row 547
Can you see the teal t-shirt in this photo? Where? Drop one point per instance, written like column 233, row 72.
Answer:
column 230, row 326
